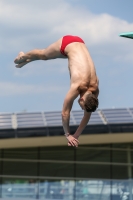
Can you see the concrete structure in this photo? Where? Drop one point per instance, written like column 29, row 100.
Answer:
column 35, row 162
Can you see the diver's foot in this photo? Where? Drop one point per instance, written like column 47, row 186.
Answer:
column 20, row 58
column 22, row 64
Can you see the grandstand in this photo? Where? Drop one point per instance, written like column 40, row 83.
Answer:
column 35, row 162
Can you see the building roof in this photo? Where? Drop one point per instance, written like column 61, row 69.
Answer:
column 26, row 124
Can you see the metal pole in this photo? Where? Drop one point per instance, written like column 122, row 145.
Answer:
column 1, row 172
column 38, row 174
column 111, row 171
column 129, row 171
column 75, row 173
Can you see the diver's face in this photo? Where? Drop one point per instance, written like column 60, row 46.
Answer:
column 81, row 103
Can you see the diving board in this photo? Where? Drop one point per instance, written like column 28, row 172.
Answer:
column 127, row 35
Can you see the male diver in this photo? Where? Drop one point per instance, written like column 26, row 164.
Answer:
column 83, row 79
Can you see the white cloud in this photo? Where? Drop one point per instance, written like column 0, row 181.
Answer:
column 47, row 20
column 47, row 68
column 10, row 89
column 128, row 57
column 29, row 25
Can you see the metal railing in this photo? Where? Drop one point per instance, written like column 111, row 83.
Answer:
column 69, row 190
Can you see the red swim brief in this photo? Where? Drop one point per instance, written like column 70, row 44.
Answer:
column 67, row 40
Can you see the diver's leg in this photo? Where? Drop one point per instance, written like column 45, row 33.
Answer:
column 51, row 52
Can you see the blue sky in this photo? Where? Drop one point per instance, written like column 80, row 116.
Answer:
column 42, row 85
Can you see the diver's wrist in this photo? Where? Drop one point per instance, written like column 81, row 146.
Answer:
column 66, row 134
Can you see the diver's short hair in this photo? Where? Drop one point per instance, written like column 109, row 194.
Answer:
column 91, row 103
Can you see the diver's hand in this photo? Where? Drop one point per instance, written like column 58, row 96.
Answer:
column 72, row 141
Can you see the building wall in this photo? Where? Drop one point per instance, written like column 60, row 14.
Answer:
column 61, row 172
